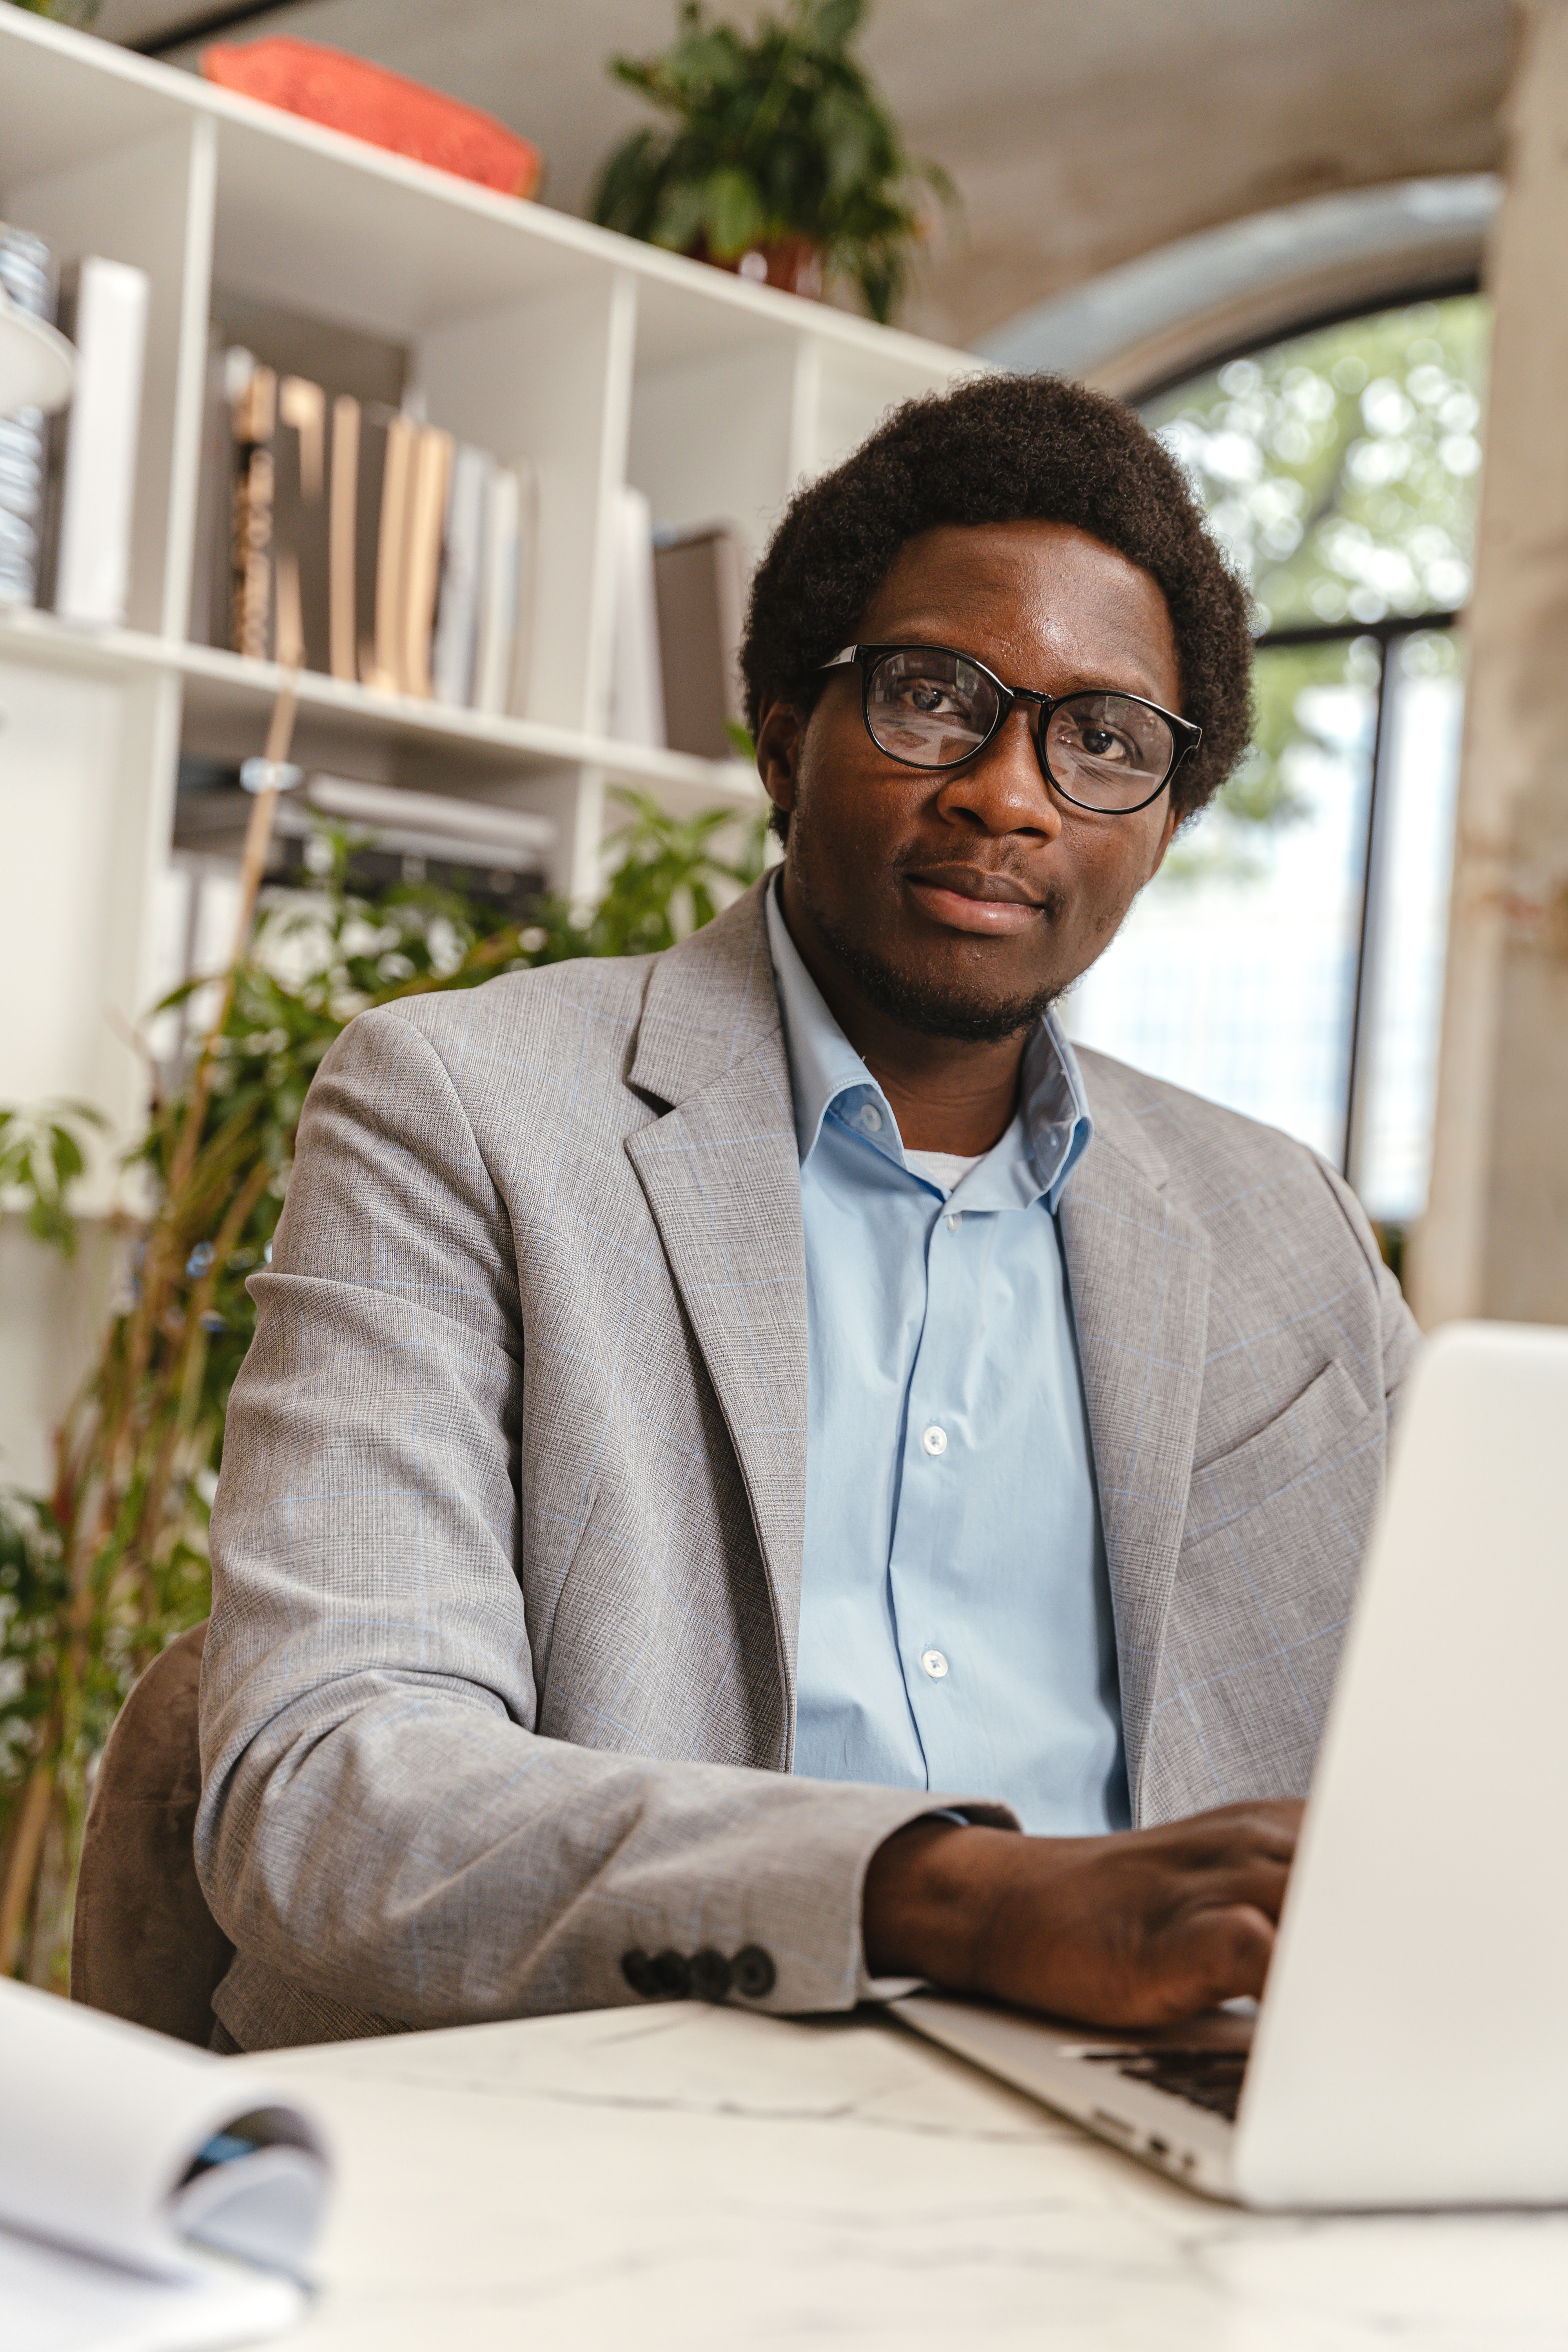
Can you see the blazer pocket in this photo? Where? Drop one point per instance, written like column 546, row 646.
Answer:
column 1327, row 1422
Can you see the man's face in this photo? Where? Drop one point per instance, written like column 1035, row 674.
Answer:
column 961, row 902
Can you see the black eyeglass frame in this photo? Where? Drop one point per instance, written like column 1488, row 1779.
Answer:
column 1185, row 734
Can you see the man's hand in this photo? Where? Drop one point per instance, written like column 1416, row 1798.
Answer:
column 1136, row 1929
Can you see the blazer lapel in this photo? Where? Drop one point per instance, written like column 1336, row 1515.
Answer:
column 721, row 1172
column 1137, row 1269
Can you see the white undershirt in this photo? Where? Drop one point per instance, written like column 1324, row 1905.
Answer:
column 947, row 1168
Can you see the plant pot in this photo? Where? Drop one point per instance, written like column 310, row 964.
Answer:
column 792, row 263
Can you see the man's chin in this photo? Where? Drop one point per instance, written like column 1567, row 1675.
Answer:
column 935, row 1006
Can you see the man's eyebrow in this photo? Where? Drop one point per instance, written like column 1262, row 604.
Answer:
column 1076, row 682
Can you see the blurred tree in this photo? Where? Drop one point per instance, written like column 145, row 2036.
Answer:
column 1340, row 470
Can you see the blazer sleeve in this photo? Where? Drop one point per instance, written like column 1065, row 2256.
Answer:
column 1401, row 1333
column 380, row 1825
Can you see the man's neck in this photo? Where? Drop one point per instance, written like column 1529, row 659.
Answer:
column 947, row 1093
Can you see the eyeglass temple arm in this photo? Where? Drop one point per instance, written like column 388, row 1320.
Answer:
column 841, row 660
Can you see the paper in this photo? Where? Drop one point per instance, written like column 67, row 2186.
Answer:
column 52, row 2300
column 150, row 2193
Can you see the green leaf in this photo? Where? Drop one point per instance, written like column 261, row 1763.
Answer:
column 732, row 213
column 828, row 25
column 679, row 217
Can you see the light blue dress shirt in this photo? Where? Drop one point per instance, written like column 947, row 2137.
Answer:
column 955, row 1621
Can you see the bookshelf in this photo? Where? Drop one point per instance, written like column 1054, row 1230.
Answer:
column 604, row 362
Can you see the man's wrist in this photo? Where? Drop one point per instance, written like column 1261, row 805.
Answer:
column 929, row 1894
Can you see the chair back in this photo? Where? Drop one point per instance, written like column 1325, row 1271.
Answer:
column 144, row 1945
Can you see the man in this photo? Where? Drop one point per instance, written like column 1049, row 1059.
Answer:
column 755, row 1469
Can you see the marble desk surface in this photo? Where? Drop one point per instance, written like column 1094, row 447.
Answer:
column 700, row 2177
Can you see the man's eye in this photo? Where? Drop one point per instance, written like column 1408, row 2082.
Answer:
column 921, row 695
column 1099, row 744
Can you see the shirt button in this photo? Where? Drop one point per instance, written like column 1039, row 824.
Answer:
column 934, row 1440
column 954, row 1219
column 870, row 1117
column 934, row 1663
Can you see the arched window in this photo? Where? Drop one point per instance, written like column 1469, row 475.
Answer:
column 1288, row 958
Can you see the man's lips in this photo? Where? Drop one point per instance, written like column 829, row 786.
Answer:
column 968, row 898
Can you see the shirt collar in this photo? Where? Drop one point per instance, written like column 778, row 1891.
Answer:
column 828, row 1076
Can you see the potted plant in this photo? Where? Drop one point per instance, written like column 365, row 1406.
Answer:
column 781, row 161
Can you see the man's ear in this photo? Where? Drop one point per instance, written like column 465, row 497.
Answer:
column 780, row 732
column 1167, row 834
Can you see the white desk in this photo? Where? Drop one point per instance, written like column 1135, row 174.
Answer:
column 701, row 2179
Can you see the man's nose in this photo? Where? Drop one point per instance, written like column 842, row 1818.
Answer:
column 1001, row 789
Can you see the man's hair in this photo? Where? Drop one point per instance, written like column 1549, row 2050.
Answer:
column 1004, row 449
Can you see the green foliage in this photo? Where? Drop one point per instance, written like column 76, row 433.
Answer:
column 662, row 887
column 41, row 1155
column 102, row 1573
column 33, row 1596
column 1292, row 728
column 1341, row 468
column 776, row 136
column 81, row 13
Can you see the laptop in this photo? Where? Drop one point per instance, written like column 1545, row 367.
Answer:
column 1411, row 2048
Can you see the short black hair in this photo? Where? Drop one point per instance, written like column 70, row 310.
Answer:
column 1006, row 448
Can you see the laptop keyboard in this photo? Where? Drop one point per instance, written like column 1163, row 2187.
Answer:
column 1208, row 2078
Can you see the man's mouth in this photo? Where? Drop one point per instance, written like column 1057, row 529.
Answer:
column 973, row 898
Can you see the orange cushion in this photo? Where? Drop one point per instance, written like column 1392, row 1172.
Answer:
column 348, row 94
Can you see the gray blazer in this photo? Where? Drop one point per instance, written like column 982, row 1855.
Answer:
column 507, row 1546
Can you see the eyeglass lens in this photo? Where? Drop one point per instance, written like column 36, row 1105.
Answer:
column 932, row 709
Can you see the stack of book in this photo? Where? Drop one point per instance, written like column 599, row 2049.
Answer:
column 68, row 484
column 351, row 537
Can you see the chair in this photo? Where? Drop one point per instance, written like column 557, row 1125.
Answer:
column 144, row 1945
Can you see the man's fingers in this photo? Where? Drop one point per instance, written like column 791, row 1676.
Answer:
column 1260, row 1881
column 1233, row 1832
column 1225, row 1954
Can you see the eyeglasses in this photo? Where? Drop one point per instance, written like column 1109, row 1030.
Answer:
column 929, row 707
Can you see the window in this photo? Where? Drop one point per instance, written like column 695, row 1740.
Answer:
column 1288, row 958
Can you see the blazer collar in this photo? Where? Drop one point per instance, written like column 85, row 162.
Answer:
column 721, row 1177
column 709, row 1002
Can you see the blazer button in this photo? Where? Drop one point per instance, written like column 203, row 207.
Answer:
column 637, row 1970
column 672, row 1976
column 754, row 1973
column 712, row 1976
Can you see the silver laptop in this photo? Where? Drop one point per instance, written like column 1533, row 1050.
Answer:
column 1412, row 2045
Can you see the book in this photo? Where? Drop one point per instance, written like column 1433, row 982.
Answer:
column 699, row 580
column 457, row 608
column 300, row 526
column 152, row 2198
column 387, row 457
column 26, row 273
column 103, row 310
column 342, row 530
column 637, row 684
column 429, row 476
column 434, row 826
column 503, row 627
column 253, row 416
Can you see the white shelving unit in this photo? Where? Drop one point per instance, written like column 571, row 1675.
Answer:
column 602, row 361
